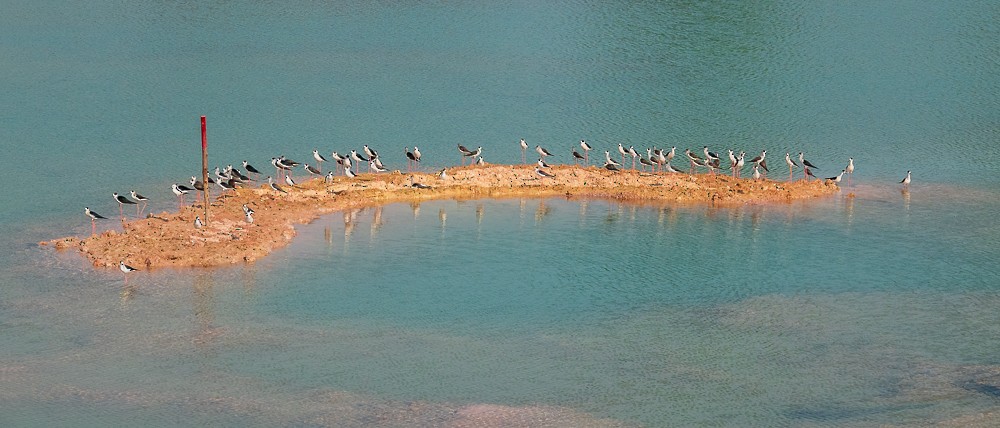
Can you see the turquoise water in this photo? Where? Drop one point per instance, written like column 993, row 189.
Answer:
column 875, row 309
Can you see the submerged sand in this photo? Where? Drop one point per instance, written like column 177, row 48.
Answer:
column 171, row 240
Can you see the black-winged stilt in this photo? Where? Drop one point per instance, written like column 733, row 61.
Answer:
column 319, row 159
column 850, row 170
column 695, row 160
column 791, row 164
column 475, row 154
column 139, row 198
column 312, row 170
column 836, row 178
column 358, row 158
column 126, row 269
column 806, row 165
column 122, row 201
column 759, row 161
column 906, row 180
column 274, row 186
column 609, row 161
column 376, row 166
column 586, row 151
column 410, row 158
column 524, row 148
column 250, row 169
column 180, row 191
column 542, row 152
column 198, row 224
column 634, row 154
column 93, row 218
column 544, row 173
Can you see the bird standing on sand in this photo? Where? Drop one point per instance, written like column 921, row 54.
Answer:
column 249, row 216
column 544, row 173
column 93, row 219
column 139, row 198
column 289, row 181
column 541, row 163
column 806, row 165
column 198, row 223
column 376, row 166
column 357, row 158
column 791, row 164
column 274, row 186
column 443, row 174
column 740, row 162
column 319, row 159
column 122, row 201
column 586, row 151
column 758, row 161
column 410, row 158
column 634, row 154
column 312, row 170
column 733, row 161
column 695, row 160
column 609, row 161
column 180, row 191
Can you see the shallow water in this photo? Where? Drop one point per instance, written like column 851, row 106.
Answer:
column 874, row 306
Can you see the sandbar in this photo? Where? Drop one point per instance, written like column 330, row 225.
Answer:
column 171, row 240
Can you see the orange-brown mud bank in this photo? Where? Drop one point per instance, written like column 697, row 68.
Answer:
column 170, row 239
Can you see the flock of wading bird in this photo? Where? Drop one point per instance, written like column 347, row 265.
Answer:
column 657, row 160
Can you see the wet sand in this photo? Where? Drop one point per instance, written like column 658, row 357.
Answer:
column 171, row 240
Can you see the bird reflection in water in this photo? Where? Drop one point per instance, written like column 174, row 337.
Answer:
column 376, row 221
column 129, row 291
column 415, row 206
column 541, row 211
column 204, row 310
column 349, row 222
column 849, row 208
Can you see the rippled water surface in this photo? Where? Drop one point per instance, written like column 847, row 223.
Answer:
column 874, row 306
